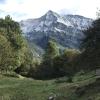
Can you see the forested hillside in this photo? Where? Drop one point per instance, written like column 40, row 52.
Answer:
column 14, row 51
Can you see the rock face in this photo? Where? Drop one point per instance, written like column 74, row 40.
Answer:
column 66, row 29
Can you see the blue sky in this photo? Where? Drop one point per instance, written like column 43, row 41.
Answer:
column 23, row 9
column 2, row 1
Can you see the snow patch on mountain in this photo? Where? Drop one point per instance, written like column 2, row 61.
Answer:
column 65, row 29
column 58, row 30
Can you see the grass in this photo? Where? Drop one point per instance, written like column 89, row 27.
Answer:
column 25, row 89
column 28, row 89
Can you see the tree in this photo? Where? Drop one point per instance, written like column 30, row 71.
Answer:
column 5, row 53
column 52, row 50
column 13, row 47
column 46, row 69
column 92, row 36
column 91, row 46
column 65, row 64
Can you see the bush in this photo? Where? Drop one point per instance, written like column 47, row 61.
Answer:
column 11, row 74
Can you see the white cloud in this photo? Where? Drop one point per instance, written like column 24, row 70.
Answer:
column 23, row 9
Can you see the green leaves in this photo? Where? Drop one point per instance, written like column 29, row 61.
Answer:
column 52, row 50
column 13, row 47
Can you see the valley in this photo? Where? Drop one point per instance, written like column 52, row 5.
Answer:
column 54, row 57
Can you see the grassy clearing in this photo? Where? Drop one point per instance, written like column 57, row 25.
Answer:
column 83, row 87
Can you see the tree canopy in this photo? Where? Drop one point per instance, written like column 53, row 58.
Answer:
column 90, row 58
column 92, row 36
column 13, row 46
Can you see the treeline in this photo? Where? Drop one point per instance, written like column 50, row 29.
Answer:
column 16, row 56
column 54, row 63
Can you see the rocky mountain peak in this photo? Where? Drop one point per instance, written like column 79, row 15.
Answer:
column 65, row 29
column 50, row 12
column 50, row 16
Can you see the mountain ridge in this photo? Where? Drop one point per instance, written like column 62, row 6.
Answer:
column 66, row 29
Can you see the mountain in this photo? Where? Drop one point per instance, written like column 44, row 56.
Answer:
column 65, row 29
